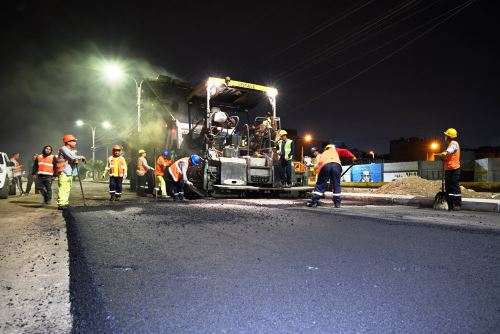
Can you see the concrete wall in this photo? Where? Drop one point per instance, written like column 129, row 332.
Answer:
column 487, row 170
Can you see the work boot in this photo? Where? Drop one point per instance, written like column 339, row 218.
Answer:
column 176, row 198
column 117, row 198
column 182, row 198
column 112, row 198
column 456, row 207
column 62, row 207
column 312, row 204
column 336, row 204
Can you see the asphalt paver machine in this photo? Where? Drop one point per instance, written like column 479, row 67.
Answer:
column 239, row 153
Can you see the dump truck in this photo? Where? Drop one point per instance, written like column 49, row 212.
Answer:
column 239, row 152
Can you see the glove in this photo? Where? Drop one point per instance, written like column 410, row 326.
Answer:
column 124, row 176
column 189, row 183
column 84, row 160
column 354, row 158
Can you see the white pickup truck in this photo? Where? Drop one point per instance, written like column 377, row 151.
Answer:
column 7, row 186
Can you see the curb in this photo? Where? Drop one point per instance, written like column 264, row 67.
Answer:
column 473, row 204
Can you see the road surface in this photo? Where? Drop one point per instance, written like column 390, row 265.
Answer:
column 275, row 266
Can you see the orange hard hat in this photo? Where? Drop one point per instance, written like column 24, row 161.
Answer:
column 68, row 138
column 117, row 148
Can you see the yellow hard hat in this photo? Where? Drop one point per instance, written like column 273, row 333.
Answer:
column 329, row 146
column 452, row 133
column 141, row 151
column 283, row 132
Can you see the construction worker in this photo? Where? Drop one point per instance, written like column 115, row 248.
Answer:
column 117, row 171
column 329, row 168
column 31, row 177
column 142, row 169
column 67, row 162
column 43, row 171
column 178, row 173
column 452, row 170
column 17, row 172
column 162, row 163
column 268, row 121
column 285, row 149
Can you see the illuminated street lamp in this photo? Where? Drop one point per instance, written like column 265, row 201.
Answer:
column 434, row 146
column 105, row 125
column 307, row 138
column 113, row 73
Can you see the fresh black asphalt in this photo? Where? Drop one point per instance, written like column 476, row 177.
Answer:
column 228, row 266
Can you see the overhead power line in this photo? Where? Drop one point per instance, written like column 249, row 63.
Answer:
column 454, row 11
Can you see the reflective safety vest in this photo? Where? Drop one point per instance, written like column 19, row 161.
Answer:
column 175, row 169
column 61, row 162
column 452, row 161
column 45, row 164
column 288, row 148
column 328, row 156
column 117, row 166
column 161, row 165
column 16, row 170
column 141, row 170
column 268, row 123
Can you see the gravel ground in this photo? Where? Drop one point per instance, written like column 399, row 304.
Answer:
column 34, row 283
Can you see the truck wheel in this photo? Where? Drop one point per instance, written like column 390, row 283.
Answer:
column 4, row 192
column 12, row 187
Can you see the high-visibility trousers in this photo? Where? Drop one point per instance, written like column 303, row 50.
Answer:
column 64, row 183
column 160, row 182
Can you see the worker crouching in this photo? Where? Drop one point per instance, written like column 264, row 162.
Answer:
column 117, row 171
column 178, row 173
column 329, row 168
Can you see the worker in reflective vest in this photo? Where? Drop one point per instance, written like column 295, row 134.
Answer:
column 142, row 175
column 43, row 171
column 67, row 161
column 452, row 170
column 117, row 171
column 162, row 163
column 17, row 172
column 178, row 173
column 285, row 149
column 329, row 167
column 268, row 121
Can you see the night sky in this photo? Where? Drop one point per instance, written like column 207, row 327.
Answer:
column 361, row 72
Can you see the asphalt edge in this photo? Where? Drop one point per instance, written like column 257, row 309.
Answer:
column 423, row 202
column 87, row 306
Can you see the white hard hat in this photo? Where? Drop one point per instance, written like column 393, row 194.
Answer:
column 220, row 117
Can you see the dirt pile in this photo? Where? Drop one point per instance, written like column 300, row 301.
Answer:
column 412, row 185
column 417, row 186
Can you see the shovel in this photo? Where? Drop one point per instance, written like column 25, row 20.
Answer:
column 80, row 181
column 441, row 198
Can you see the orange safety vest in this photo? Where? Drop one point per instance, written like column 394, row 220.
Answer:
column 452, row 161
column 141, row 170
column 45, row 164
column 328, row 156
column 122, row 166
column 60, row 162
column 161, row 165
column 175, row 169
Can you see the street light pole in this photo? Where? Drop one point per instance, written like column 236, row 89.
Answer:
column 138, row 87
column 105, row 125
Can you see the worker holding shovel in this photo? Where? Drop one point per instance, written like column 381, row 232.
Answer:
column 452, row 170
column 329, row 168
